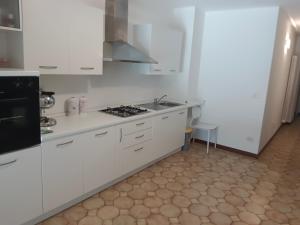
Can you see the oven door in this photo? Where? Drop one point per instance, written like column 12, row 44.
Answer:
column 19, row 115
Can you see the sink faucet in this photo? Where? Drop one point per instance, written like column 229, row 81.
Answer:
column 158, row 100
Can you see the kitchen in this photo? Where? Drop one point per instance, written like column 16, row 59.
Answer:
column 104, row 69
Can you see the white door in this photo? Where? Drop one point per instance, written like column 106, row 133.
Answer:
column 62, row 171
column 86, row 37
column 46, row 35
column 98, row 158
column 20, row 186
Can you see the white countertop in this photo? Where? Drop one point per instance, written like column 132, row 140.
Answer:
column 67, row 126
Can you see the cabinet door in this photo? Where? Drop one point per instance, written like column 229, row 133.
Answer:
column 166, row 48
column 86, row 37
column 20, row 186
column 163, row 133
column 173, row 49
column 46, row 32
column 99, row 158
column 179, row 126
column 133, row 157
column 62, row 171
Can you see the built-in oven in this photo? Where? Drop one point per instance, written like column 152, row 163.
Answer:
column 19, row 112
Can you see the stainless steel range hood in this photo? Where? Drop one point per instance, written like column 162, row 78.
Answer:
column 116, row 46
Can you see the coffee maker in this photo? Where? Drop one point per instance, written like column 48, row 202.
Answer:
column 47, row 101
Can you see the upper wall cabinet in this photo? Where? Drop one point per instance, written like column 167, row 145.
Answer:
column 164, row 44
column 63, row 36
column 10, row 15
column 11, row 39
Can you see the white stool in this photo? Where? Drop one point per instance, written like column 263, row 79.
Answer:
column 209, row 128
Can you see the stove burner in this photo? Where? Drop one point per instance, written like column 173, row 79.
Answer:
column 124, row 111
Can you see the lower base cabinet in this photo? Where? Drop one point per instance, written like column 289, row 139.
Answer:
column 79, row 164
column 98, row 158
column 62, row 171
column 20, row 186
column 133, row 157
column 169, row 132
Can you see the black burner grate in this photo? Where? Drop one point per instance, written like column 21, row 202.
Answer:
column 124, row 111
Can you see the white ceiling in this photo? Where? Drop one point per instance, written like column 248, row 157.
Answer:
column 292, row 7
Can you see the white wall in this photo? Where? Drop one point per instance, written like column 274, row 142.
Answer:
column 123, row 83
column 236, row 59
column 278, row 78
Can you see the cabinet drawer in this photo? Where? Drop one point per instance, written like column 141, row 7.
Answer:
column 136, row 126
column 136, row 138
column 133, row 157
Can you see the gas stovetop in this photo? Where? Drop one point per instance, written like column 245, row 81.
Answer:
column 125, row 111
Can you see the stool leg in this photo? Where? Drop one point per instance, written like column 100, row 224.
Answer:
column 216, row 141
column 208, row 141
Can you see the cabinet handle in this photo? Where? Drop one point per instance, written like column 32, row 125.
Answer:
column 121, row 135
column 101, row 134
column 139, row 137
column 8, row 163
column 87, row 68
column 66, row 143
column 157, row 70
column 2, row 92
column 140, row 124
column 173, row 71
column 181, row 113
column 48, row 67
column 166, row 117
column 139, row 149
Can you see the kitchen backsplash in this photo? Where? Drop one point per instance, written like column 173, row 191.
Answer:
column 120, row 84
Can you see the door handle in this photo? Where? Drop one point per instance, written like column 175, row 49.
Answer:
column 87, row 68
column 48, row 67
column 101, row 134
column 139, row 137
column 121, row 135
column 8, row 163
column 63, row 144
column 139, row 149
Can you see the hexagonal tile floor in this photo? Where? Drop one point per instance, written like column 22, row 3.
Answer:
column 192, row 188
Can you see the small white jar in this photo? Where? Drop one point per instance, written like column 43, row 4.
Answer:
column 83, row 105
column 72, row 106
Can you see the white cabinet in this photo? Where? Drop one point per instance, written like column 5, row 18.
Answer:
column 63, row 36
column 179, row 127
column 133, row 145
column 62, row 171
column 98, row 158
column 11, row 15
column 163, row 44
column 86, row 37
column 20, row 186
column 46, row 35
column 169, row 132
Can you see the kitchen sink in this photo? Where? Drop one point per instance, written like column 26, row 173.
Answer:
column 169, row 104
column 159, row 106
